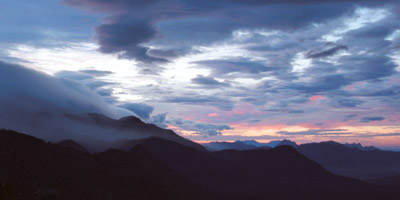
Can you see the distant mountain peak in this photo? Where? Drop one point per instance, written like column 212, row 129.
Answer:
column 238, row 145
column 287, row 143
column 360, row 146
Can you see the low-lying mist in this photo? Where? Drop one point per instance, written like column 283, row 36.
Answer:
column 41, row 105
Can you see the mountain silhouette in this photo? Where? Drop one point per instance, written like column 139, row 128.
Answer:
column 353, row 162
column 387, row 181
column 73, row 145
column 238, row 145
column 279, row 173
column 35, row 169
column 359, row 146
column 287, row 142
column 158, row 168
column 131, row 127
column 246, row 145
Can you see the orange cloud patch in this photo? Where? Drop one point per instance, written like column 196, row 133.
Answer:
column 213, row 115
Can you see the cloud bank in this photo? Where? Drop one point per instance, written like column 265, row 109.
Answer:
column 41, row 105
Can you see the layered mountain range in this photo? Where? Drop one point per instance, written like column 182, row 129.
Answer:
column 353, row 160
column 166, row 167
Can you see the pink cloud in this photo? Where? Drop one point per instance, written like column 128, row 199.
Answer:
column 213, row 115
column 316, row 97
column 349, row 87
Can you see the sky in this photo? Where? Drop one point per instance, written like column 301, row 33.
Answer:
column 222, row 70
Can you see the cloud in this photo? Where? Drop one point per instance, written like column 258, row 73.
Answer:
column 341, row 102
column 38, row 104
column 44, row 24
column 328, row 132
column 140, row 109
column 296, row 111
column 208, row 81
column 381, row 135
column 392, row 91
column 104, row 92
column 159, row 120
column 371, row 119
column 321, row 83
column 97, row 73
column 253, row 121
column 166, row 54
column 199, row 128
column 257, row 101
column 87, row 77
column 222, row 104
column 254, row 48
column 55, row 109
column 125, row 36
column 349, row 117
column 111, row 5
column 25, row 89
column 133, row 25
column 73, row 75
column 226, row 67
column 326, row 53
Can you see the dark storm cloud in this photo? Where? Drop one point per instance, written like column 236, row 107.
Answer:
column 141, row 110
column 132, row 24
column 124, row 36
column 326, row 53
column 371, row 119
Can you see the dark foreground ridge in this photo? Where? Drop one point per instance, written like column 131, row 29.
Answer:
column 156, row 168
column 73, row 145
column 352, row 160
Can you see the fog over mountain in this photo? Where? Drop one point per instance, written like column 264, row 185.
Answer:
column 56, row 109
